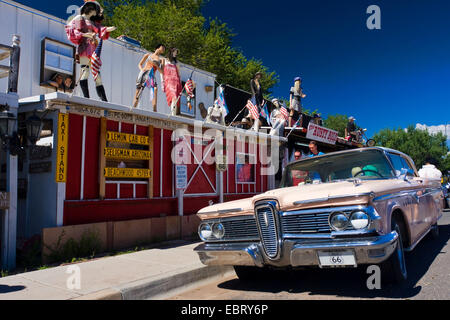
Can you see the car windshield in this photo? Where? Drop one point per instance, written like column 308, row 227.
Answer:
column 364, row 165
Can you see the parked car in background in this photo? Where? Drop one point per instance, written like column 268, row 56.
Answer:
column 343, row 209
column 446, row 191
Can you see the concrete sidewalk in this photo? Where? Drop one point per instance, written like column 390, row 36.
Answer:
column 151, row 274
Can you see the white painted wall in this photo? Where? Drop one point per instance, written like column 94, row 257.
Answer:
column 119, row 69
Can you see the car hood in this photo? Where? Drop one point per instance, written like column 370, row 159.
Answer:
column 342, row 193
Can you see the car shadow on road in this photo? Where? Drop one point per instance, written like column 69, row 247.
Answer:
column 7, row 289
column 350, row 283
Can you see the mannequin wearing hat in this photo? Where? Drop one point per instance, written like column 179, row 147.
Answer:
column 350, row 131
column 83, row 31
column 296, row 96
column 277, row 119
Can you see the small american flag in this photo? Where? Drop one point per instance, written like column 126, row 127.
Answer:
column 221, row 102
column 265, row 113
column 190, row 88
column 96, row 62
column 253, row 110
column 284, row 112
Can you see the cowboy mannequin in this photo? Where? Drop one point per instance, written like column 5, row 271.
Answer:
column 83, row 31
column 296, row 96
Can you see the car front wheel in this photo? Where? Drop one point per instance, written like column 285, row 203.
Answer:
column 393, row 270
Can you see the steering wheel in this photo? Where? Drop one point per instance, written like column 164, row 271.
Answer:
column 368, row 170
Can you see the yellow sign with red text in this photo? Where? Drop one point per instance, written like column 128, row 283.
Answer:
column 61, row 151
column 127, row 138
column 128, row 173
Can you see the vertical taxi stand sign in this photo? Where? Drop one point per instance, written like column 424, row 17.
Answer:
column 128, row 149
column 61, row 156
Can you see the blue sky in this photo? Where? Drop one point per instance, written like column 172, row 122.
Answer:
column 388, row 78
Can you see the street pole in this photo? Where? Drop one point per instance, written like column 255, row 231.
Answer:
column 180, row 194
column 9, row 217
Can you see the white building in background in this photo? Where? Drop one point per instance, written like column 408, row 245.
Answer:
column 120, row 62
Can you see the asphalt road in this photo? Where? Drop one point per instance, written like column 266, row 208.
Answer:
column 428, row 278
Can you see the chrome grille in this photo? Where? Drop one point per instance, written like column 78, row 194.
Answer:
column 304, row 223
column 266, row 219
column 240, row 229
column 237, row 229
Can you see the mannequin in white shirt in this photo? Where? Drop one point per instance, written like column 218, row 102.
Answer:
column 429, row 171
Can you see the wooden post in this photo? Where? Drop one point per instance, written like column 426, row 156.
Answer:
column 151, row 161
column 102, row 158
column 14, row 65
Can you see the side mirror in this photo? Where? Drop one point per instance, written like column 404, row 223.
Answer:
column 404, row 173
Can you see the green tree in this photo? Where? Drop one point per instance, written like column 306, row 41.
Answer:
column 418, row 144
column 336, row 122
column 205, row 44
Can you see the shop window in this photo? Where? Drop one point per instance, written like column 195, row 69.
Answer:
column 245, row 168
column 57, row 65
column 188, row 104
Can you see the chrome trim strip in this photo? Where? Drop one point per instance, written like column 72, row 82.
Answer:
column 411, row 248
column 334, row 198
column 222, row 211
column 412, row 193
column 332, row 235
column 380, row 241
column 370, row 194
column 310, row 201
column 221, row 219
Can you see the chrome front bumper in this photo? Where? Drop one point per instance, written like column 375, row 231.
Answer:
column 297, row 253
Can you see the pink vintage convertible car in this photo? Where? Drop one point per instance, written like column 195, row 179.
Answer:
column 343, row 209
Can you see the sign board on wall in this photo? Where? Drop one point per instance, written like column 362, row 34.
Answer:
column 127, row 138
column 321, row 134
column 4, row 200
column 61, row 151
column 125, row 156
column 221, row 163
column 128, row 173
column 181, row 177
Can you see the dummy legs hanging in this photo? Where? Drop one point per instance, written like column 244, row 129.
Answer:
column 85, row 63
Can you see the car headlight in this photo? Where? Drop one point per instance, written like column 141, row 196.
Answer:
column 205, row 231
column 218, row 230
column 359, row 220
column 338, row 221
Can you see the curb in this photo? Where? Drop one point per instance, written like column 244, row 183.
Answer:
column 162, row 288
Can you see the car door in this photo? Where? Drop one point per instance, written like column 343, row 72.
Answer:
column 411, row 198
column 428, row 199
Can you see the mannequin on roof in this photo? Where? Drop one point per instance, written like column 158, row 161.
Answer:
column 172, row 81
column 215, row 115
column 83, row 31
